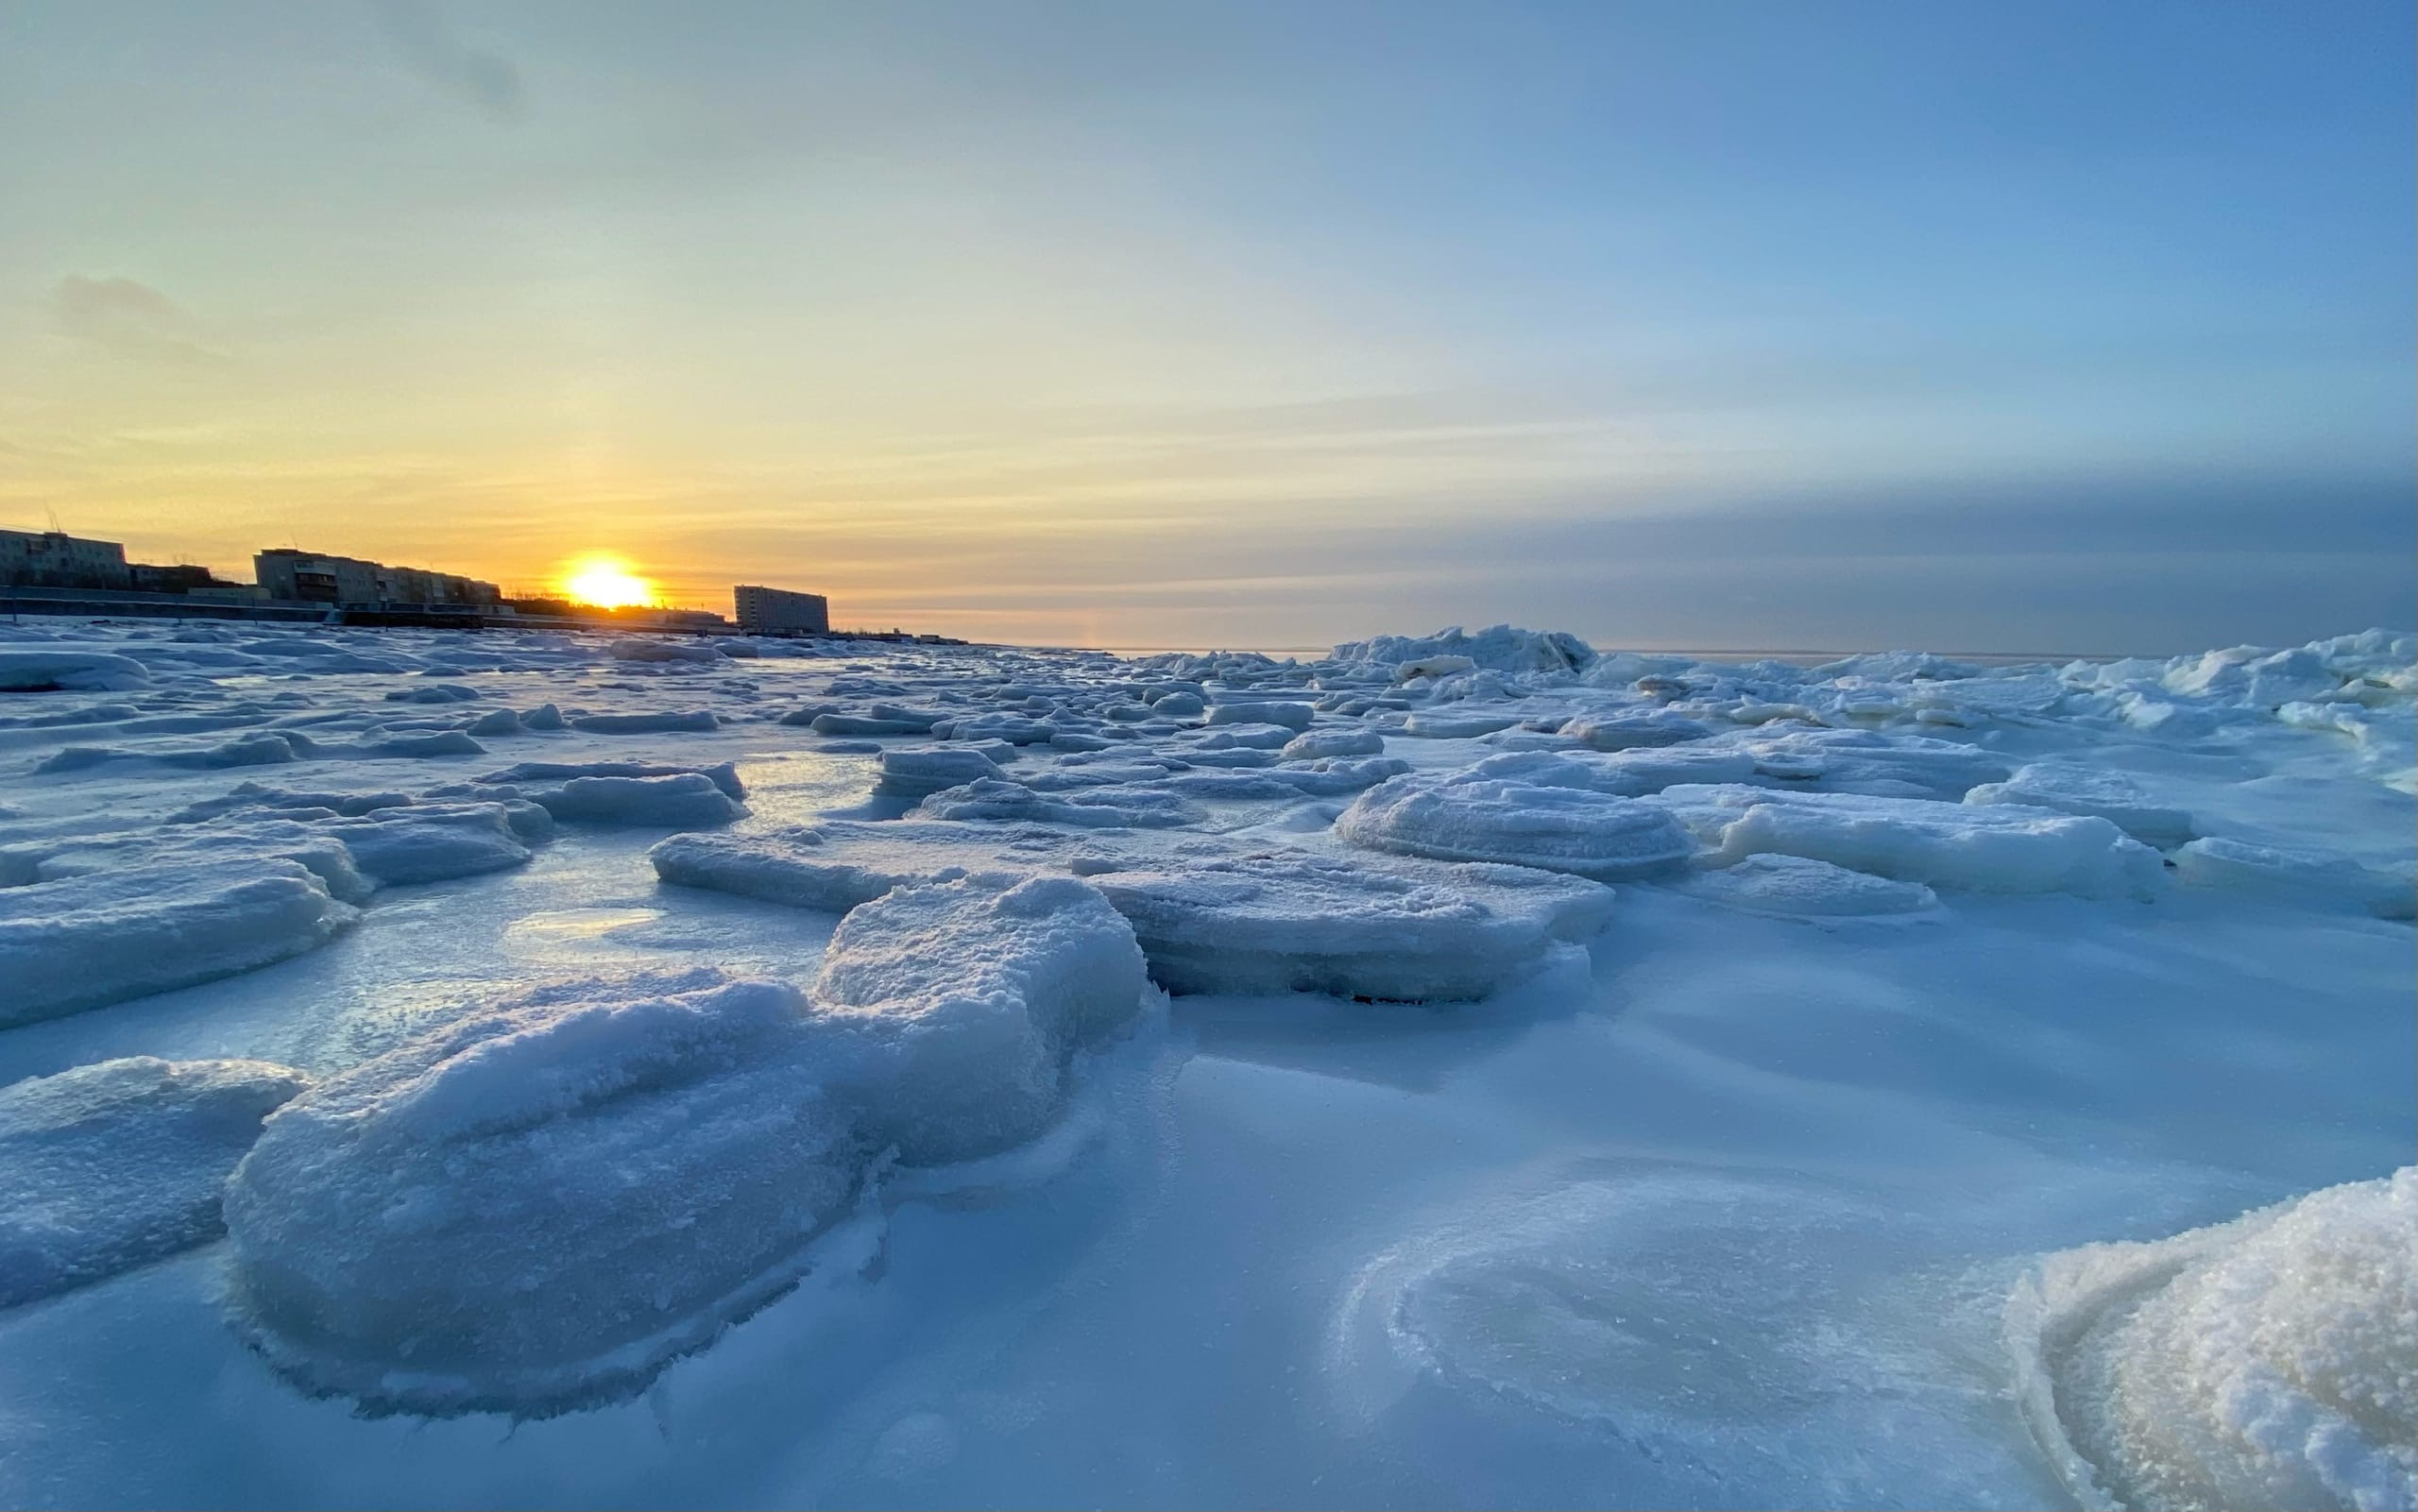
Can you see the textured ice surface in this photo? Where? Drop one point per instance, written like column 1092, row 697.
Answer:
column 2269, row 1361
column 684, row 800
column 1536, row 810
column 2391, row 893
column 542, row 1200
column 946, row 1011
column 83, row 942
column 116, row 1165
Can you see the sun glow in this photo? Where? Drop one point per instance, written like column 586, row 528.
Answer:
column 605, row 581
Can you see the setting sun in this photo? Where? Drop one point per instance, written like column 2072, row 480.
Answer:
column 607, row 583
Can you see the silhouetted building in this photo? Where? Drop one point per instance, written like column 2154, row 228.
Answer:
column 151, row 577
column 313, row 577
column 54, row 559
column 773, row 611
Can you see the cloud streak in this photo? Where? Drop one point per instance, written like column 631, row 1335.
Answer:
column 130, row 319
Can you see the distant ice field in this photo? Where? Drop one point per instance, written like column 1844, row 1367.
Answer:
column 543, row 1069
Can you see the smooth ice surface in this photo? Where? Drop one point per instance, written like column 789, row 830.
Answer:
column 1704, row 1188
column 2269, row 1361
column 116, row 1165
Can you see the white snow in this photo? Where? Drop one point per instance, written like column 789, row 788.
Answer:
column 2072, row 789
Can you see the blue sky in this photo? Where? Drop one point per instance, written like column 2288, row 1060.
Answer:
column 2027, row 327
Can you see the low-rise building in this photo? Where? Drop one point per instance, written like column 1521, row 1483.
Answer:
column 314, row 577
column 777, row 611
column 54, row 559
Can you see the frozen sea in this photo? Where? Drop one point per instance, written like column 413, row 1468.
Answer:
column 533, row 1069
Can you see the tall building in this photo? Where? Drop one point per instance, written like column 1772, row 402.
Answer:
column 773, row 611
column 54, row 559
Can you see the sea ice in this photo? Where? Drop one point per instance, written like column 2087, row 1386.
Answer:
column 1799, row 887
column 83, row 942
column 1527, row 810
column 115, row 1165
column 946, row 1011
column 539, row 1202
column 1981, row 847
column 2073, row 788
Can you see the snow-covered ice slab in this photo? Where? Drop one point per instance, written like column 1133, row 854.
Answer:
column 115, row 1165
column 1979, row 847
column 1528, row 808
column 84, row 941
column 2271, row 1362
column 1212, row 915
column 2073, row 788
column 946, row 1011
column 1232, row 920
column 539, row 1203
column 1799, row 887
column 2288, row 873
column 996, row 800
column 681, row 799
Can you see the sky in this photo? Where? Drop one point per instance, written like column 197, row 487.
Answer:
column 1819, row 324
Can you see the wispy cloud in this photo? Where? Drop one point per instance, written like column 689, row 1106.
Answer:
column 429, row 48
column 128, row 318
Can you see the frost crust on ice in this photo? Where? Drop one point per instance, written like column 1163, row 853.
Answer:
column 2267, row 1363
column 115, row 1165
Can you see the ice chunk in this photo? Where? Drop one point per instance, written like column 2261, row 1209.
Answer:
column 1868, row 761
column 539, row 1203
column 723, row 776
column 2268, row 1362
column 1313, row 744
column 114, row 1165
column 1502, row 648
column 1458, row 723
column 1634, row 729
column 1799, row 887
column 635, row 649
column 2073, row 788
column 429, row 842
column 836, row 723
column 44, row 671
column 2220, row 863
column 1291, row 716
column 917, row 771
column 83, row 942
column 1527, row 810
column 837, row 864
column 664, row 722
column 682, row 800
column 1222, row 919
column 1982, row 847
column 946, row 1011
column 1111, row 807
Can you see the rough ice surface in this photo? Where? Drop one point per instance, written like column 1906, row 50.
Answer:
column 541, row 1199
column 946, row 1012
column 115, row 1165
column 1474, row 1181
column 2268, row 1362
column 82, row 941
column 1536, row 810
